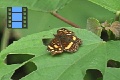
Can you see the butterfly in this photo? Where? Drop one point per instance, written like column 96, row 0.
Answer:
column 65, row 40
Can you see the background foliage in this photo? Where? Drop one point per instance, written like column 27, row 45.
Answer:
column 29, row 53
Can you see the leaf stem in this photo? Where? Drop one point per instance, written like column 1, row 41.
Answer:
column 65, row 20
column 117, row 16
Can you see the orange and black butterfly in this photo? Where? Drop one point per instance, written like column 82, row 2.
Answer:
column 64, row 40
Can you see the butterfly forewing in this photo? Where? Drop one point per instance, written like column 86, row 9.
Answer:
column 65, row 31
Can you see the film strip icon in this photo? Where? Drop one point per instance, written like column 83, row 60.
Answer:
column 17, row 17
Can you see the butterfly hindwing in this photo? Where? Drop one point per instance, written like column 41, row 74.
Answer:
column 72, row 43
column 55, row 46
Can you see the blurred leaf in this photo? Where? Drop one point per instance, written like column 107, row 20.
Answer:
column 105, row 24
column 93, row 54
column 38, row 5
column 2, row 18
column 115, row 28
column 39, row 21
column 111, row 5
column 75, row 11
column 94, row 26
column 78, row 12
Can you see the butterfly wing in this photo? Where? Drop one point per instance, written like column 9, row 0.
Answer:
column 71, row 44
column 68, row 39
column 64, row 31
column 55, row 46
column 64, row 40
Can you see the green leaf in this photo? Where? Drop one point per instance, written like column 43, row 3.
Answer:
column 112, row 74
column 7, row 69
column 39, row 5
column 33, row 45
column 93, row 54
column 79, row 14
column 94, row 26
column 111, row 5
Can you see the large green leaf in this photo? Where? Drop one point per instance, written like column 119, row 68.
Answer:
column 112, row 5
column 112, row 74
column 39, row 5
column 93, row 54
